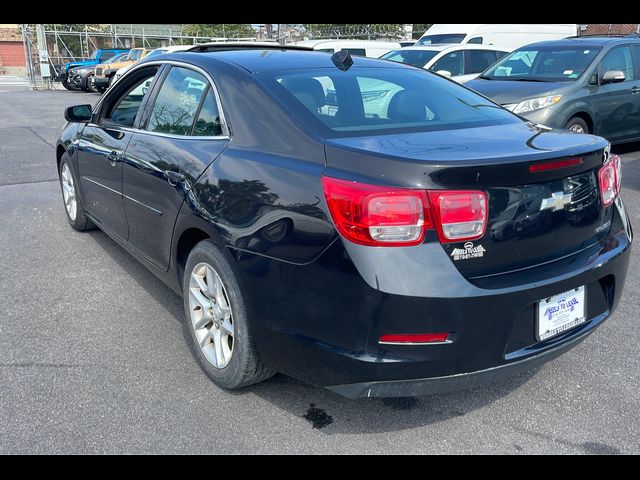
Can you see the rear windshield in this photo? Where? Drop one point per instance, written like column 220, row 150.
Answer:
column 442, row 38
column 543, row 64
column 365, row 101
column 417, row 58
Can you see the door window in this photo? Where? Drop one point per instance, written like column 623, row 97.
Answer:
column 479, row 60
column 125, row 106
column 475, row 40
column 451, row 62
column 178, row 101
column 208, row 123
column 618, row 59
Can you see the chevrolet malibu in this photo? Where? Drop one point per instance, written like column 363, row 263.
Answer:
column 358, row 224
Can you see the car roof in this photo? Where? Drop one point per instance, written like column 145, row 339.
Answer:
column 587, row 41
column 439, row 47
column 348, row 41
column 260, row 60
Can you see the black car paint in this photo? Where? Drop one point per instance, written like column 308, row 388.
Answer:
column 320, row 303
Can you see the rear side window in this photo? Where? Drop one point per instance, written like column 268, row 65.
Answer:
column 479, row 60
column 636, row 49
column 477, row 40
column 451, row 62
column 178, row 102
column 107, row 54
column 208, row 123
column 618, row 59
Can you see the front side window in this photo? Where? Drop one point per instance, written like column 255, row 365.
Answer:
column 476, row 40
column 106, row 55
column 363, row 101
column 543, row 64
column 417, row 58
column 125, row 108
column 451, row 62
column 618, row 59
column 355, row 51
column 177, row 102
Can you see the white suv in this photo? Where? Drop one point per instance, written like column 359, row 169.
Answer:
column 461, row 62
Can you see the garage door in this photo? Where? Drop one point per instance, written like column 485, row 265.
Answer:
column 12, row 54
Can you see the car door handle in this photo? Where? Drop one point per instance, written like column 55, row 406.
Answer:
column 114, row 157
column 635, row 90
column 173, row 177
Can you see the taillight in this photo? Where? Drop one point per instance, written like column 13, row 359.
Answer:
column 377, row 215
column 460, row 215
column 610, row 176
column 388, row 216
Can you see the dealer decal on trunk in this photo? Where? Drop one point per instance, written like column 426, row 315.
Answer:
column 469, row 251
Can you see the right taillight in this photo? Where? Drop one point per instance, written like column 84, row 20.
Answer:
column 460, row 215
column 389, row 216
column 610, row 177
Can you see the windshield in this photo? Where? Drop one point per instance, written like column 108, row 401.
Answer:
column 115, row 59
column 135, row 55
column 157, row 51
column 544, row 64
column 417, row 58
column 442, row 38
column 94, row 55
column 365, row 101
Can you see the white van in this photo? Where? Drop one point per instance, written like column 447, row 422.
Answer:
column 364, row 48
column 509, row 36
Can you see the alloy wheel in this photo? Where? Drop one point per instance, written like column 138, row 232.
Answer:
column 211, row 316
column 69, row 192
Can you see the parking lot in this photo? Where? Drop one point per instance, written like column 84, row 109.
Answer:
column 93, row 357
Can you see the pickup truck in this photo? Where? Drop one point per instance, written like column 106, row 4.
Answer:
column 98, row 56
column 104, row 75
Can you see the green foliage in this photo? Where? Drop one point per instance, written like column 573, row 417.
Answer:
column 357, row 30
column 229, row 30
column 419, row 29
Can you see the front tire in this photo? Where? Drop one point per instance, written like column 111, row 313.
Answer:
column 577, row 125
column 66, row 85
column 216, row 317
column 72, row 203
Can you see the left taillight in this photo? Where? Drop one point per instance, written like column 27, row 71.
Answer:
column 377, row 215
column 388, row 216
column 610, row 177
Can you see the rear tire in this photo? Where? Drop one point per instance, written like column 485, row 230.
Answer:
column 577, row 125
column 72, row 203
column 216, row 318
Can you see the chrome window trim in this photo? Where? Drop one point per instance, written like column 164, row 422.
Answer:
column 200, row 70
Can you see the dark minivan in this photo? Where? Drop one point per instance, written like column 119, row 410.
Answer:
column 407, row 237
column 583, row 84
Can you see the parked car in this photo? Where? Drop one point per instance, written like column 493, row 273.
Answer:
column 103, row 77
column 349, row 248
column 153, row 53
column 98, row 56
column 584, row 84
column 460, row 62
column 363, row 48
column 509, row 36
column 79, row 77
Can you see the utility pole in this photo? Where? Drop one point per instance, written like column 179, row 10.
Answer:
column 43, row 55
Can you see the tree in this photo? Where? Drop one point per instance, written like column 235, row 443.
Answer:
column 227, row 30
column 420, row 28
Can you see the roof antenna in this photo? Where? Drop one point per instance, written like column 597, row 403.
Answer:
column 342, row 60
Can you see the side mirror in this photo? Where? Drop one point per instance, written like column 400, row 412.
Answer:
column 613, row 76
column 444, row 73
column 78, row 114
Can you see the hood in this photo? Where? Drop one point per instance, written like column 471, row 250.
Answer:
column 513, row 91
column 519, row 141
column 69, row 66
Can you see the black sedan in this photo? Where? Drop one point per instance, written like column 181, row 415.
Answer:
column 358, row 224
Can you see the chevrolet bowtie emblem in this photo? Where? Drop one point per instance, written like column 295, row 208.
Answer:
column 557, row 201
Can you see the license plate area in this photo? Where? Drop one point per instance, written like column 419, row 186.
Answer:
column 559, row 313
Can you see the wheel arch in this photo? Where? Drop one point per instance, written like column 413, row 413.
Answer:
column 584, row 116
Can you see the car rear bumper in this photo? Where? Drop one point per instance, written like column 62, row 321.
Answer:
column 328, row 333
column 435, row 385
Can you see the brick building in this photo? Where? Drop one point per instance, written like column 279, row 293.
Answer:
column 608, row 29
column 12, row 59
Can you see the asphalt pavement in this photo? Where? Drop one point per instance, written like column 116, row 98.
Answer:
column 93, row 357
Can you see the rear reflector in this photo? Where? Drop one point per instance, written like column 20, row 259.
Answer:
column 555, row 165
column 461, row 215
column 413, row 338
